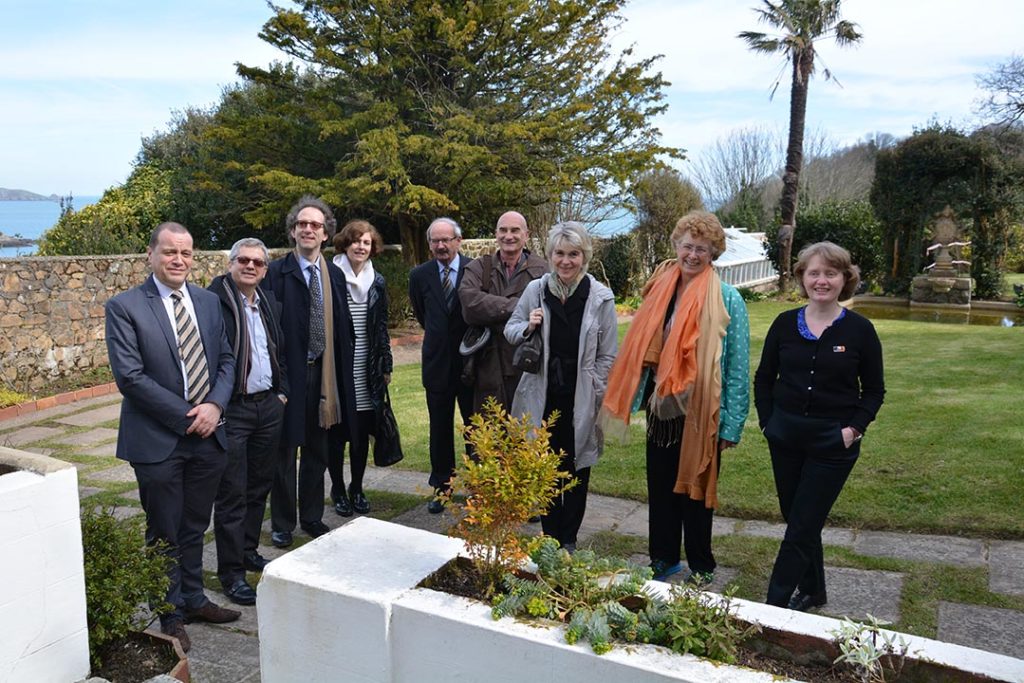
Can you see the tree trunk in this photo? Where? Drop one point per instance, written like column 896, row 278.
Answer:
column 414, row 240
column 803, row 63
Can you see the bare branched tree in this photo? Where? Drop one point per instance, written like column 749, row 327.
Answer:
column 1005, row 85
column 743, row 160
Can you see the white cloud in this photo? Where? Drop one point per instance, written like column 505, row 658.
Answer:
column 84, row 81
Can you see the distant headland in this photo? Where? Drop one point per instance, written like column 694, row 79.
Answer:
column 25, row 196
column 15, row 241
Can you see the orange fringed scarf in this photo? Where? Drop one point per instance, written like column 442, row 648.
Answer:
column 687, row 371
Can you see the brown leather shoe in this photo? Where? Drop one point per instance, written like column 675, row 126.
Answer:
column 211, row 613
column 176, row 629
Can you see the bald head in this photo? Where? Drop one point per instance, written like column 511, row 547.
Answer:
column 511, row 234
column 510, row 218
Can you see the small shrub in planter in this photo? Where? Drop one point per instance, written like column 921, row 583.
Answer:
column 512, row 477
column 121, row 574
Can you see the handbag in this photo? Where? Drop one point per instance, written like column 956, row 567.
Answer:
column 387, row 446
column 529, row 354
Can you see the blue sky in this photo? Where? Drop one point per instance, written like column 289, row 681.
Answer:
column 83, row 81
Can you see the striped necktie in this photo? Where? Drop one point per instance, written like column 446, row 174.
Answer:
column 190, row 346
column 317, row 334
column 447, row 287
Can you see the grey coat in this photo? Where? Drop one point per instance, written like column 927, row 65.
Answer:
column 599, row 342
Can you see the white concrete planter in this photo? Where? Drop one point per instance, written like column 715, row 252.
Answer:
column 43, row 632
column 345, row 608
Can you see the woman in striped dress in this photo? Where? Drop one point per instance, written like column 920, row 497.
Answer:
column 354, row 246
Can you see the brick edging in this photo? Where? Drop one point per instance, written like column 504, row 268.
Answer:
column 57, row 400
column 405, row 341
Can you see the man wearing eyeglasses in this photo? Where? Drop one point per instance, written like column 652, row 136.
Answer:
column 316, row 321
column 433, row 290
column 254, row 415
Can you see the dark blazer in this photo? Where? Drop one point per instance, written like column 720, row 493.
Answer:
column 288, row 284
column 147, row 368
column 270, row 311
column 442, row 329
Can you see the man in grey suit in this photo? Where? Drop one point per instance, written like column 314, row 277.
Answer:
column 174, row 367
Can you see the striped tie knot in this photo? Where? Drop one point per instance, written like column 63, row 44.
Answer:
column 446, row 286
column 193, row 355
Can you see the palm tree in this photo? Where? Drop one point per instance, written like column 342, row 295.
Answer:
column 799, row 24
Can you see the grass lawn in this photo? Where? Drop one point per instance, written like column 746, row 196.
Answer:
column 946, row 454
column 1009, row 280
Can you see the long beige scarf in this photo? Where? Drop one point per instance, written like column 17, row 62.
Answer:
column 330, row 402
column 698, row 462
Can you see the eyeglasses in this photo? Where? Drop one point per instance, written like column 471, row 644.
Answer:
column 246, row 260
column 442, row 240
column 691, row 249
column 314, row 225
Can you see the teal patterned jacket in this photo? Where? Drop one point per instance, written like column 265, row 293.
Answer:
column 735, row 402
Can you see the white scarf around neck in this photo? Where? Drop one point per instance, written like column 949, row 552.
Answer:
column 358, row 285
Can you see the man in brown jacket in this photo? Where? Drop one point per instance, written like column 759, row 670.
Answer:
column 512, row 267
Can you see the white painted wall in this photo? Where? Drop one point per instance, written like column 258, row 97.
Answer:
column 43, row 633
column 345, row 608
column 325, row 608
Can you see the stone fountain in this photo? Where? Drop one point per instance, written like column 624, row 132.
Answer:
column 943, row 284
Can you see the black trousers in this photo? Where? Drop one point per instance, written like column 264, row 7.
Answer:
column 673, row 518
column 563, row 519
column 811, row 465
column 308, row 472
column 177, row 495
column 254, row 434
column 359, row 449
column 441, row 409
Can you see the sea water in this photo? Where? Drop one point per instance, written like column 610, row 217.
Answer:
column 30, row 219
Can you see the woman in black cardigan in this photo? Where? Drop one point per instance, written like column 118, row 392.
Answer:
column 818, row 386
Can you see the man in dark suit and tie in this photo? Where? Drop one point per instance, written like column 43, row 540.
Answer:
column 254, row 415
column 319, row 355
column 173, row 365
column 433, row 288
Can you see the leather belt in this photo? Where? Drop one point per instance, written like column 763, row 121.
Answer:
column 258, row 396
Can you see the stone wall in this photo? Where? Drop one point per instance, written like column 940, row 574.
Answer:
column 51, row 311
column 51, row 308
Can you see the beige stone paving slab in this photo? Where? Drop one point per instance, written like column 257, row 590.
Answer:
column 986, row 628
column 108, row 450
column 1006, row 567
column 777, row 530
column 605, row 512
column 89, row 438
column 26, row 435
column 753, row 527
column 936, row 549
column 119, row 473
column 122, row 512
column 220, row 654
column 856, row 593
column 93, row 417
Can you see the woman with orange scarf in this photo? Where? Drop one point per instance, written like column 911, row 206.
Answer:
column 685, row 358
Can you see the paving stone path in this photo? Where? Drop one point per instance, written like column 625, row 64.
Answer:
column 230, row 653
